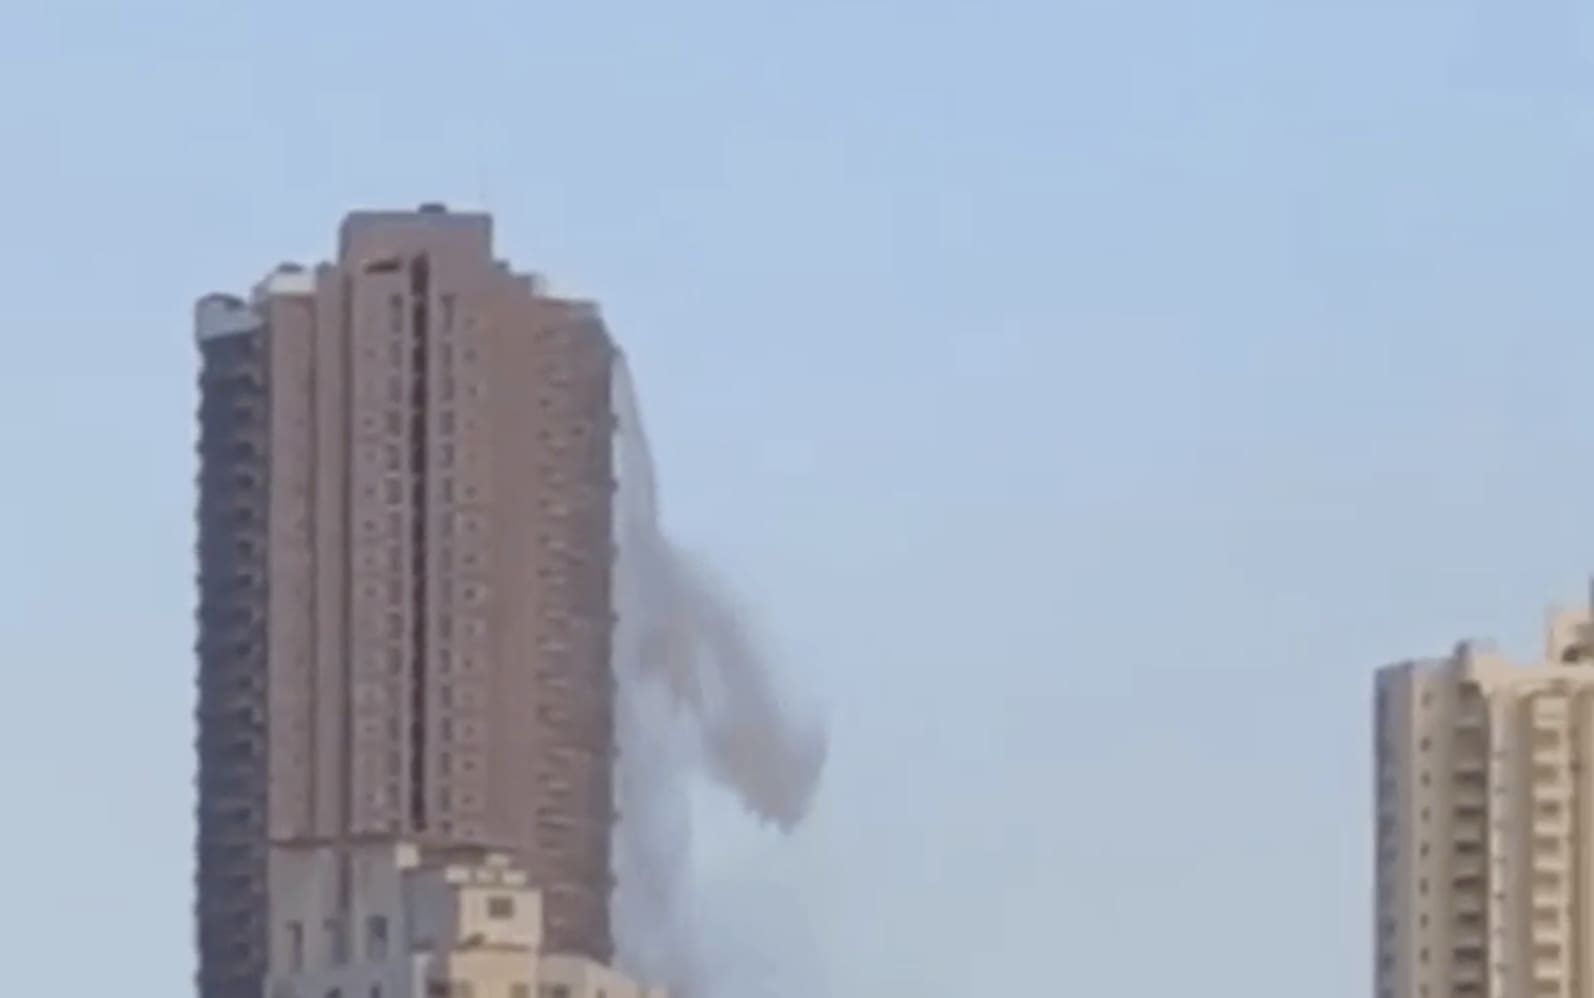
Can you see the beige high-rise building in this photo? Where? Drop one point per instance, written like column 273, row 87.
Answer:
column 1485, row 822
column 405, row 550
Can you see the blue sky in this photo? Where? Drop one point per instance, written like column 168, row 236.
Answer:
column 1085, row 394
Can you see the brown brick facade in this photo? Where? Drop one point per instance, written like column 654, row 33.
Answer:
column 405, row 548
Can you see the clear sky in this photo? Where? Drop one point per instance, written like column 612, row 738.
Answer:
column 1086, row 394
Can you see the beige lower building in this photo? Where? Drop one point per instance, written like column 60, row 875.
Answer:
column 1485, row 822
column 391, row 919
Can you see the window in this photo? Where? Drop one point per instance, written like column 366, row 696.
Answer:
column 296, row 945
column 376, row 937
column 501, row 906
column 337, row 941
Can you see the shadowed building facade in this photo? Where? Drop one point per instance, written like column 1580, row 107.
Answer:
column 405, row 555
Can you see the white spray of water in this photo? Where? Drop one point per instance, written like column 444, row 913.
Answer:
column 691, row 687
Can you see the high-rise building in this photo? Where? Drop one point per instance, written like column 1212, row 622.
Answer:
column 404, row 575
column 1485, row 822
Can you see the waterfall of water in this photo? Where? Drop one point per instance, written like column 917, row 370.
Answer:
column 691, row 684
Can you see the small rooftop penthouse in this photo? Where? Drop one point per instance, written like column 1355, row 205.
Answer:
column 398, row 919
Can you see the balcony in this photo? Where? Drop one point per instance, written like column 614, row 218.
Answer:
column 1552, row 790
column 1470, row 746
column 1467, row 972
column 1468, row 868
column 1547, row 772
column 1545, row 972
column 1470, row 946
column 1469, row 884
column 1548, row 890
column 1550, row 818
column 1548, row 754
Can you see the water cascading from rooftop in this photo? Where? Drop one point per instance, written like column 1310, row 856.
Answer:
column 695, row 694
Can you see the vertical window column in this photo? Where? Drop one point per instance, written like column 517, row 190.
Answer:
column 420, row 291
